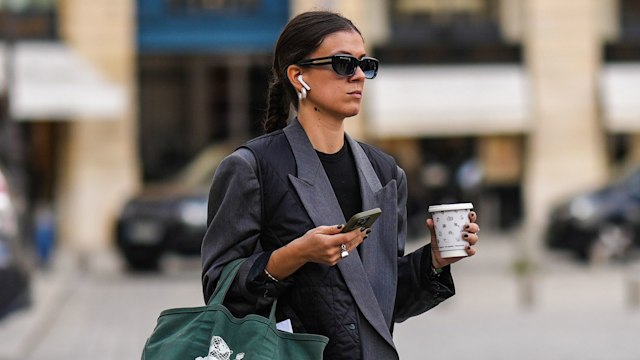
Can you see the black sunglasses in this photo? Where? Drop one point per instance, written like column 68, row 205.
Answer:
column 346, row 65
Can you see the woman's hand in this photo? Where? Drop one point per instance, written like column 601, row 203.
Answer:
column 470, row 234
column 322, row 245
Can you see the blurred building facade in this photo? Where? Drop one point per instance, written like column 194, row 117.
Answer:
column 203, row 70
column 529, row 100
column 511, row 104
column 69, row 126
column 532, row 97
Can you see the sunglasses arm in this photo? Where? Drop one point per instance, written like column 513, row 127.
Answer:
column 322, row 61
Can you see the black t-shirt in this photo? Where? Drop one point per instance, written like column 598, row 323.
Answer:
column 343, row 175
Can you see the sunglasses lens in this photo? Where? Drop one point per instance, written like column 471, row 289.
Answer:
column 369, row 67
column 344, row 65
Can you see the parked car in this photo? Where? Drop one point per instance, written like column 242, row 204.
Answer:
column 169, row 216
column 604, row 222
column 14, row 274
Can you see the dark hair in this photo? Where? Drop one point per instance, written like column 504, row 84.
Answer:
column 302, row 36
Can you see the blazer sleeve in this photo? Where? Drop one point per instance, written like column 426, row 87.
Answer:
column 418, row 289
column 233, row 231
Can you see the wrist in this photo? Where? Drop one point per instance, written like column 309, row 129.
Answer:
column 296, row 250
column 272, row 270
column 435, row 264
column 271, row 277
column 436, row 268
column 284, row 261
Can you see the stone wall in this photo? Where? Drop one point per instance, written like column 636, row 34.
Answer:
column 98, row 165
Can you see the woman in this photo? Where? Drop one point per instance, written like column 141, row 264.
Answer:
column 280, row 201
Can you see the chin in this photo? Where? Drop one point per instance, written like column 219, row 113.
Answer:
column 351, row 112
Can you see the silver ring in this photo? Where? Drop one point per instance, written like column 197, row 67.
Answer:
column 344, row 253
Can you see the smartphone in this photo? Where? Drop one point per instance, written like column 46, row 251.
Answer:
column 362, row 219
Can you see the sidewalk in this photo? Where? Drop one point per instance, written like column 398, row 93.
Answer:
column 576, row 311
column 95, row 310
column 98, row 311
column 50, row 290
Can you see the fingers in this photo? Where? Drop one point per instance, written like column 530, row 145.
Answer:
column 344, row 244
column 360, row 237
column 470, row 233
column 471, row 251
column 471, row 238
column 351, row 239
column 430, row 224
column 431, row 228
column 328, row 230
column 471, row 230
column 336, row 239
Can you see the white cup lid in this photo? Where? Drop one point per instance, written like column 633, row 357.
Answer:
column 450, row 207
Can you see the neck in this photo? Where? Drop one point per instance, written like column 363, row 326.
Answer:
column 325, row 133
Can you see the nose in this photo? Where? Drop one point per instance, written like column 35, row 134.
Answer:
column 358, row 75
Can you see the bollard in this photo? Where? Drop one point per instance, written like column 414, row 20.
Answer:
column 524, row 270
column 633, row 291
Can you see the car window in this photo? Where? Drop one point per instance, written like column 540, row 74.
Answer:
column 199, row 171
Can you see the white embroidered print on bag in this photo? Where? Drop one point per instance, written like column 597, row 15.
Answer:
column 219, row 350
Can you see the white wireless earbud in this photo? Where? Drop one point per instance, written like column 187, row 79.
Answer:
column 304, row 84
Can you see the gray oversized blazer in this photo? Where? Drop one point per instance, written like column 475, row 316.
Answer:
column 234, row 232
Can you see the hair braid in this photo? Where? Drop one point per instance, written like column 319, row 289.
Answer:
column 277, row 106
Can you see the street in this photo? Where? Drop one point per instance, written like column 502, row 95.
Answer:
column 94, row 310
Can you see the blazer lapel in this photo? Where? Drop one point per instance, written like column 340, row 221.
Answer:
column 379, row 251
column 315, row 192
column 312, row 184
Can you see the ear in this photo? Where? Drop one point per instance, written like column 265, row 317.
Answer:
column 293, row 71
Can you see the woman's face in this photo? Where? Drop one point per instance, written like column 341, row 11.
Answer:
column 335, row 95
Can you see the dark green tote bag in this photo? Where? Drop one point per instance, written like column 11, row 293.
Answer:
column 212, row 333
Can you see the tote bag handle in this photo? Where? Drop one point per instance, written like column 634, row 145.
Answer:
column 224, row 283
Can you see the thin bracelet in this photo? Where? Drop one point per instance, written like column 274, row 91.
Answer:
column 269, row 275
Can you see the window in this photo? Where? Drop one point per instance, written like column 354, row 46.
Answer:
column 626, row 47
column 189, row 102
column 445, row 31
column 630, row 20
column 218, row 6
column 28, row 19
column 439, row 21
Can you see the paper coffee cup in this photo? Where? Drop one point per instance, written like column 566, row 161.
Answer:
column 448, row 222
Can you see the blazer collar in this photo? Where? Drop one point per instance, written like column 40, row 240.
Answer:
column 310, row 168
